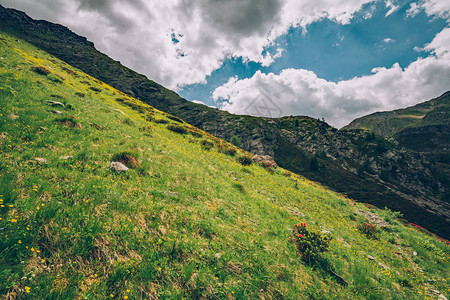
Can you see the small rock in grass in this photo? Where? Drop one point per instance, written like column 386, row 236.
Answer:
column 172, row 194
column 398, row 254
column 57, row 112
column 235, row 179
column 40, row 160
column 54, row 103
column 435, row 292
column 414, row 253
column 218, row 255
column 66, row 157
column 118, row 167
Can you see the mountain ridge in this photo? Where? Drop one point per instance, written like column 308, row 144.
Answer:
column 389, row 123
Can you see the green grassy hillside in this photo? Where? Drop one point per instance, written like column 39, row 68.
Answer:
column 368, row 169
column 187, row 221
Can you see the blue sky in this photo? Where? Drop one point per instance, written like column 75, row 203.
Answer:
column 336, row 59
column 335, row 51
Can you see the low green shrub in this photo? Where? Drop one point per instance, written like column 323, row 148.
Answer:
column 236, row 141
column 160, row 121
column 310, row 244
column 369, row 230
column 227, row 150
column 206, row 144
column 149, row 118
column 41, row 70
column 54, row 78
column 146, row 129
column 391, row 216
column 95, row 89
column 269, row 166
column 176, row 119
column 177, row 129
column 128, row 121
column 245, row 160
column 239, row 187
column 195, row 133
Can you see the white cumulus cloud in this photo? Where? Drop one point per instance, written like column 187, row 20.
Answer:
column 392, row 7
column 301, row 92
column 140, row 33
column 440, row 8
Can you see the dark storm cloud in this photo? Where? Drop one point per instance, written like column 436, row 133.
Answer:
column 242, row 17
column 114, row 12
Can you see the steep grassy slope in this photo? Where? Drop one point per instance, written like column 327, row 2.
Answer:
column 350, row 164
column 184, row 221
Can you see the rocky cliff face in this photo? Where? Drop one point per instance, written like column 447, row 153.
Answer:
column 423, row 128
column 361, row 164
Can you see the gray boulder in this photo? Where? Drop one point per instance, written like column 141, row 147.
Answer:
column 55, row 103
column 265, row 160
column 118, row 167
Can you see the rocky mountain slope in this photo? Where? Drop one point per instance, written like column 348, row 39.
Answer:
column 364, row 166
column 435, row 112
column 105, row 197
column 423, row 128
